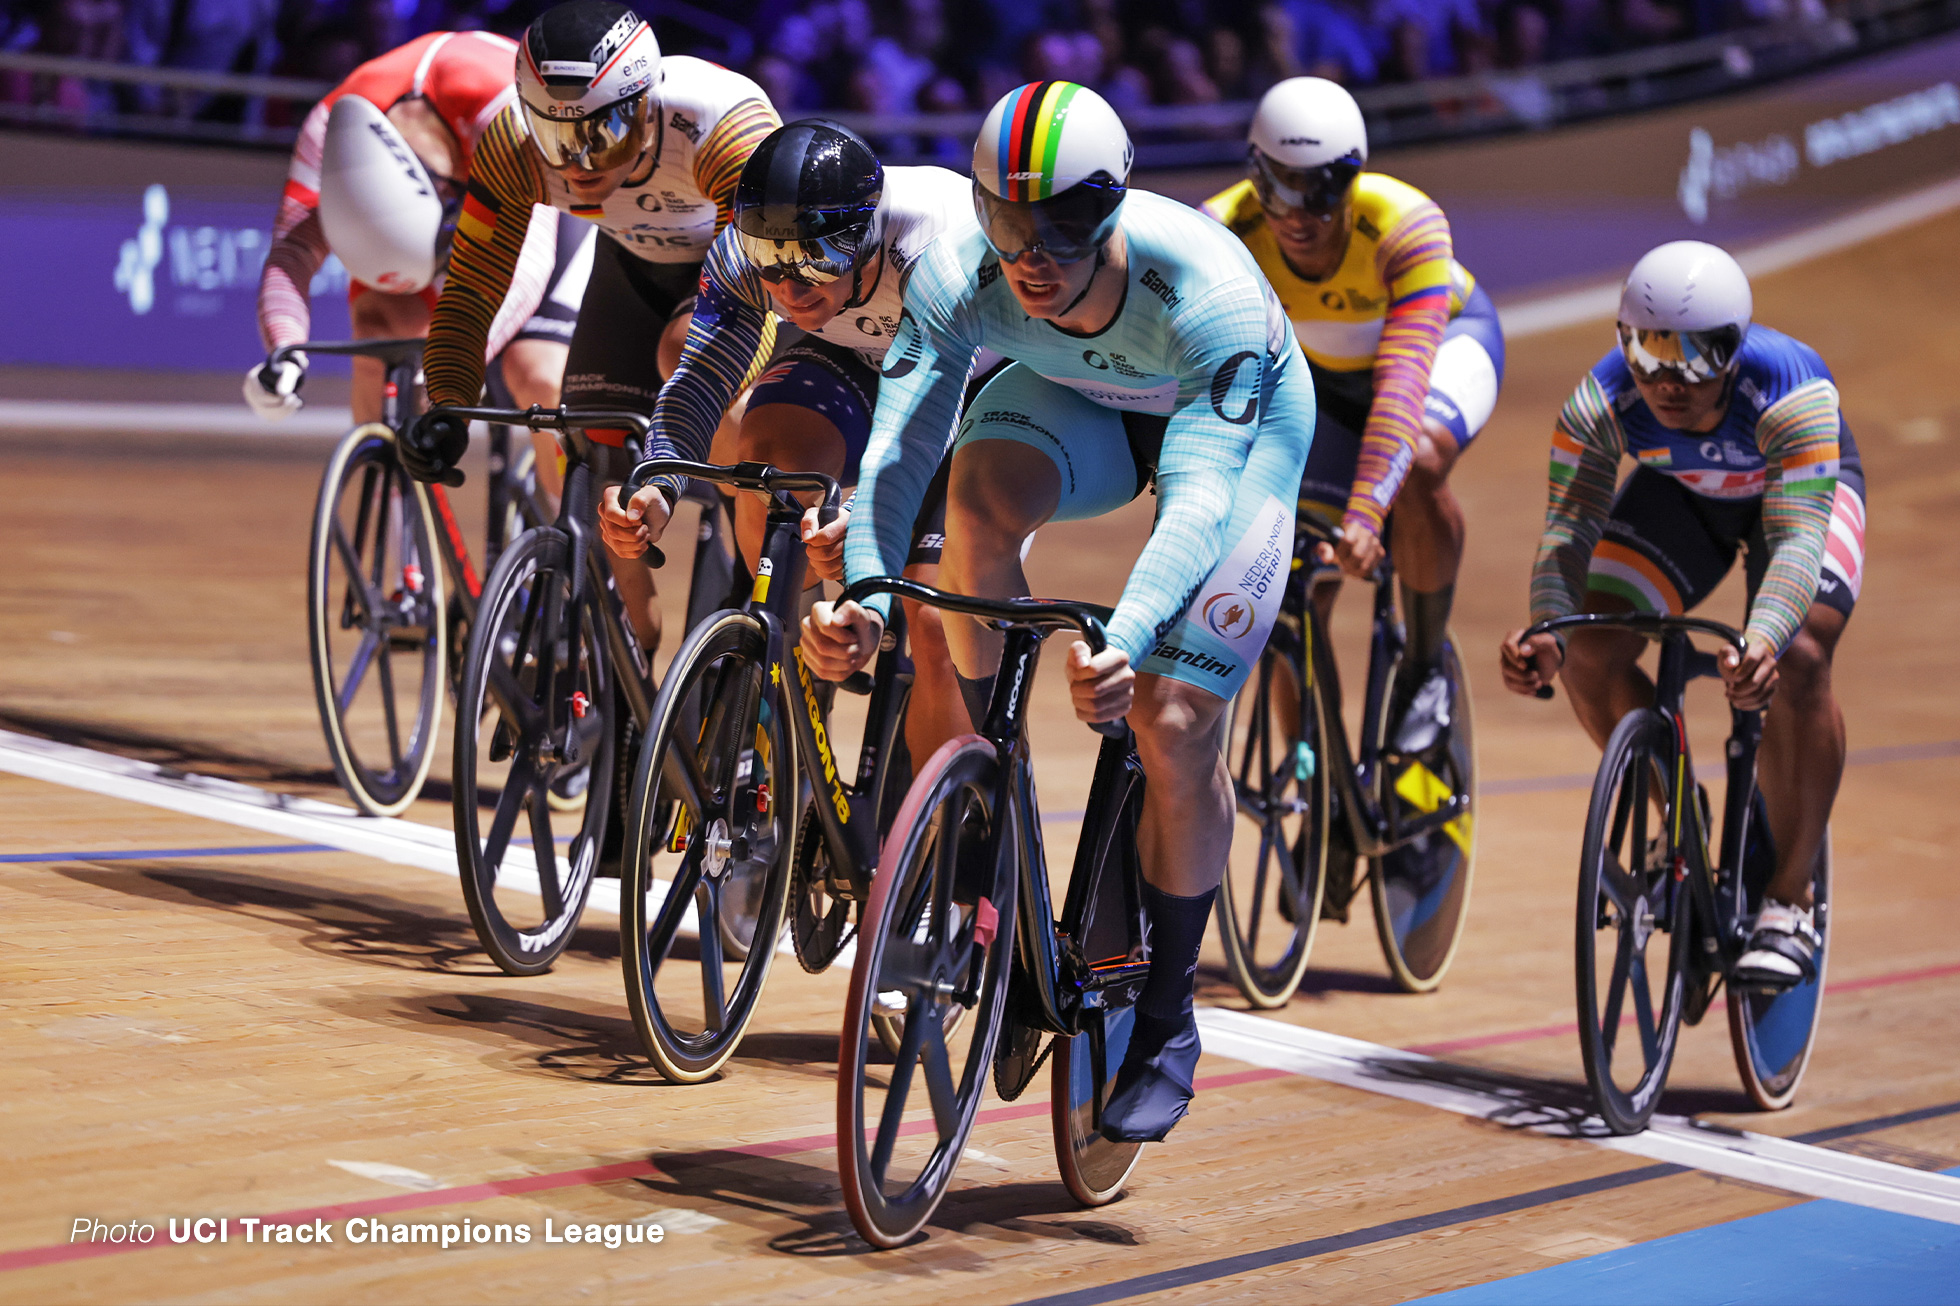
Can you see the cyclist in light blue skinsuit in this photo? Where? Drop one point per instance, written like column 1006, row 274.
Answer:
column 1149, row 346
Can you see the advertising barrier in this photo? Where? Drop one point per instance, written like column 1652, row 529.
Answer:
column 121, row 255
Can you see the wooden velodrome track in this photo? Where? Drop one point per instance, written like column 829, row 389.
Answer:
column 193, row 1031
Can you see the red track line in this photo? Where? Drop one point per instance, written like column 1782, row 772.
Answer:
column 587, row 1176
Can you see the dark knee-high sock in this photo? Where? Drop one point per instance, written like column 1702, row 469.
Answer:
column 1428, row 619
column 1177, row 931
column 978, row 693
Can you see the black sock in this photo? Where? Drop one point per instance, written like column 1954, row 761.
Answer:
column 1427, row 617
column 1177, row 931
column 978, row 693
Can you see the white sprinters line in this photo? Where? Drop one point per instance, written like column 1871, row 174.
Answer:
column 386, row 838
column 1532, row 317
column 1491, row 1095
column 167, row 418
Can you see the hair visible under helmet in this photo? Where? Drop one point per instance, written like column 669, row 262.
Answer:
column 809, row 206
column 1307, row 145
column 1050, row 170
column 379, row 209
column 1685, row 310
column 585, row 71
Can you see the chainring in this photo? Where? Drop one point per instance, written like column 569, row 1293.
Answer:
column 817, row 935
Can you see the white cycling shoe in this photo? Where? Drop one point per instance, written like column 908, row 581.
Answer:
column 1782, row 948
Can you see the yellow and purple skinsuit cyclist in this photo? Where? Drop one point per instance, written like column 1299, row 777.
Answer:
column 1149, row 349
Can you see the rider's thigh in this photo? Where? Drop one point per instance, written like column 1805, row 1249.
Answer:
column 1468, row 370
column 1094, row 470
column 999, row 491
column 1594, row 658
column 534, row 371
column 378, row 315
column 1803, row 670
column 792, row 438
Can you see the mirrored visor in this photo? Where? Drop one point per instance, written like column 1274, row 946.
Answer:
column 598, row 142
column 1689, row 355
column 1068, row 227
column 811, row 262
column 1321, row 191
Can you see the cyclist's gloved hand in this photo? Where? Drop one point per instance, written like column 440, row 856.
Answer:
column 825, row 545
column 432, row 446
column 273, row 392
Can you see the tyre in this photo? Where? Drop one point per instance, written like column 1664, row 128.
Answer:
column 1629, row 901
column 718, row 756
column 1422, row 889
column 922, row 953
column 1270, row 900
column 1773, row 1033
column 376, row 627
column 820, row 921
column 536, row 705
column 1093, row 1168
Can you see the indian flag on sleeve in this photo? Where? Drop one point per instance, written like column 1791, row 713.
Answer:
column 478, row 220
column 1566, row 453
column 1805, row 467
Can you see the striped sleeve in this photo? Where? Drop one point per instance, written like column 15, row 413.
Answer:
column 1798, row 434
column 298, row 247
column 728, row 340
column 490, row 232
column 1415, row 261
column 1587, row 443
column 718, row 163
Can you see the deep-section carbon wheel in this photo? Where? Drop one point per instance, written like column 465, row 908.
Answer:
column 1773, row 1032
column 718, row 755
column 1422, row 889
column 1093, row 1168
column 937, row 935
column 376, row 628
column 536, row 706
column 1269, row 903
column 1631, row 937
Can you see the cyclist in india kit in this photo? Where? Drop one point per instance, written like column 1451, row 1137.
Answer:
column 1149, row 348
column 376, row 178
column 647, row 149
column 1738, row 443
column 1407, row 357
column 825, row 236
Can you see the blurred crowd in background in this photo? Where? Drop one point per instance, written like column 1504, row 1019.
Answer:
column 900, row 56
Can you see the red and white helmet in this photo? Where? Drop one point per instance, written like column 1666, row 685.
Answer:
column 584, row 73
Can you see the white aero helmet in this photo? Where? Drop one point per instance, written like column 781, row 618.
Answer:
column 1685, row 310
column 584, row 71
column 1050, row 171
column 1307, row 145
column 379, row 208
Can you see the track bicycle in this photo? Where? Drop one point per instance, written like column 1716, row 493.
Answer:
column 717, row 799
column 392, row 588
column 554, row 686
column 961, row 923
column 1318, row 807
column 1646, row 875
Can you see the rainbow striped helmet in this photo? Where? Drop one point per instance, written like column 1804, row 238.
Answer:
column 1050, row 171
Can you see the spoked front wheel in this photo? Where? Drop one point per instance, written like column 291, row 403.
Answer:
column 1632, row 925
column 708, row 839
column 937, row 936
column 535, row 709
column 1422, row 888
column 1269, row 902
column 376, row 627
column 1773, row 1032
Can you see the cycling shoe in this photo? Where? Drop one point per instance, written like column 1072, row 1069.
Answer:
column 1782, row 950
column 1153, row 1087
column 1424, row 719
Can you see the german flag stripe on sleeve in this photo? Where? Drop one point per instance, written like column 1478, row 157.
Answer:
column 718, row 165
column 490, row 231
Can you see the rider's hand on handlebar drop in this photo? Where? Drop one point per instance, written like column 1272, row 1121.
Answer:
column 630, row 530
column 1356, row 550
column 840, row 638
column 273, row 392
column 1530, row 668
column 1101, row 686
column 1749, row 678
column 825, row 545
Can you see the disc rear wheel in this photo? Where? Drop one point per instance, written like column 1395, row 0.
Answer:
column 1773, row 1032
